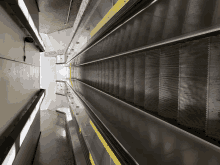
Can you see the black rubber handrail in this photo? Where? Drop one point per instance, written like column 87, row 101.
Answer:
column 10, row 139
column 118, row 150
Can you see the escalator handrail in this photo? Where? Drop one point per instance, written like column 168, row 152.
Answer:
column 120, row 152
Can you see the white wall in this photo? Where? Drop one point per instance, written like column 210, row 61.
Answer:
column 48, row 79
column 18, row 81
column 49, row 73
column 62, row 72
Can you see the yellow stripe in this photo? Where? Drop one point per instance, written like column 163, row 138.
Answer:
column 112, row 155
column 79, row 130
column 70, row 76
column 91, row 160
column 108, row 16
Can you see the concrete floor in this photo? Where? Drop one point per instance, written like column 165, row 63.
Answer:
column 53, row 147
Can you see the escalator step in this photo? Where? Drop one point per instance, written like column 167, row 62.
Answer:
column 168, row 80
column 129, row 95
column 152, row 60
column 193, row 83
column 139, row 79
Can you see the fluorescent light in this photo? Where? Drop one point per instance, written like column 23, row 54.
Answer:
column 29, row 122
column 11, row 156
column 24, row 9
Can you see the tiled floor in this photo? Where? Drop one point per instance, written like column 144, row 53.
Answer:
column 53, row 147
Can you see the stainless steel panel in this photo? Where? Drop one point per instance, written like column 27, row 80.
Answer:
column 144, row 29
column 96, row 74
column 120, row 39
column 117, row 40
column 100, row 74
column 134, row 33
column 106, row 75
column 111, row 76
column 199, row 14
column 156, row 32
column 129, row 91
column 152, row 64
column 114, row 42
column 116, row 76
column 110, row 44
column 126, row 37
column 103, row 74
column 122, row 77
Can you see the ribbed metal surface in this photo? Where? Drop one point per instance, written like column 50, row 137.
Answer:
column 134, row 33
column 168, row 81
column 96, row 75
column 122, row 77
column 193, row 83
column 213, row 102
column 152, row 63
column 111, row 76
column 129, row 92
column 116, row 77
column 114, row 43
column 120, row 39
column 103, row 75
column 108, row 50
column 93, row 74
column 139, row 79
column 83, row 145
column 106, row 76
column 99, row 50
column 100, row 75
column 127, row 36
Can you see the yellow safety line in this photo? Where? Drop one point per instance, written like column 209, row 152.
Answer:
column 108, row 16
column 91, row 159
column 70, row 76
column 108, row 149
column 112, row 155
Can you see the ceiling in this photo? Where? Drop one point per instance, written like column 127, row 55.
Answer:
column 53, row 14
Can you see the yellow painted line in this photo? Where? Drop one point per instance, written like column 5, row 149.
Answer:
column 108, row 149
column 79, row 130
column 91, row 159
column 108, row 16
column 70, row 76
